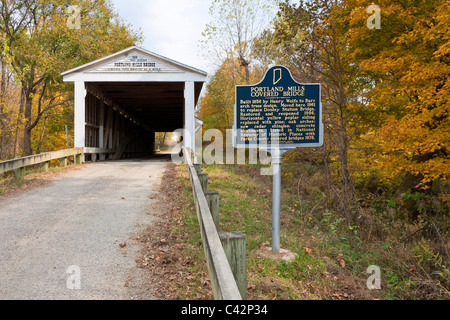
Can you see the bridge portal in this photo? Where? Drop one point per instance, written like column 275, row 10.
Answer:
column 122, row 100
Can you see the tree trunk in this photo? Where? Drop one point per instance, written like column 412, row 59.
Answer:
column 18, row 125
column 2, row 103
column 247, row 74
column 27, row 150
column 38, row 150
column 348, row 194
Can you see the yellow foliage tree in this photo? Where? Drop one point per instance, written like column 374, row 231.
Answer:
column 408, row 63
column 217, row 106
column 40, row 41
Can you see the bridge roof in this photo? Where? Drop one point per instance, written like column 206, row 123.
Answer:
column 143, row 64
column 147, row 85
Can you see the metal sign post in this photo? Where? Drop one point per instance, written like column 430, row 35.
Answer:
column 277, row 159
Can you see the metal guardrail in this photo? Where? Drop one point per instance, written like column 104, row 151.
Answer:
column 221, row 275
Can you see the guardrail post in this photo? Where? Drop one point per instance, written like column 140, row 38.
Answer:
column 45, row 165
column 63, row 162
column 234, row 245
column 77, row 159
column 203, row 177
column 19, row 173
column 212, row 197
column 198, row 168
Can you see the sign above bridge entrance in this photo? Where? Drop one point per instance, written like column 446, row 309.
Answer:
column 278, row 103
column 137, row 62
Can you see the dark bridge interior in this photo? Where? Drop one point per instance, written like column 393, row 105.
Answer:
column 158, row 105
column 123, row 117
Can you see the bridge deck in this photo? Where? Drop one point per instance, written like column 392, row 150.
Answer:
column 78, row 219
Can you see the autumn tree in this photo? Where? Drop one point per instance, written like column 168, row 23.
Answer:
column 307, row 40
column 9, row 99
column 217, row 106
column 234, row 27
column 40, row 45
column 408, row 63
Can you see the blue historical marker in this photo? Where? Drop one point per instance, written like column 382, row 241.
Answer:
column 278, row 104
column 278, row 114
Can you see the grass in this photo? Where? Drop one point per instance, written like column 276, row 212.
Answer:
column 332, row 256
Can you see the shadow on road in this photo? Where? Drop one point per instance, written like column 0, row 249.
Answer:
column 165, row 156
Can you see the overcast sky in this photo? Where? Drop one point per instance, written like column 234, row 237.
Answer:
column 171, row 28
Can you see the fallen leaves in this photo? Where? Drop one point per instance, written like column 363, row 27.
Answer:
column 123, row 245
column 340, row 260
column 164, row 257
column 251, row 286
column 340, row 296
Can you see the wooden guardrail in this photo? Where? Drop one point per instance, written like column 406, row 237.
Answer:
column 99, row 153
column 225, row 252
column 18, row 165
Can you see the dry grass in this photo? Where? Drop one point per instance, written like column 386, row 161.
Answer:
column 332, row 257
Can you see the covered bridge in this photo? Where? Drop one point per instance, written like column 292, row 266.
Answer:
column 122, row 100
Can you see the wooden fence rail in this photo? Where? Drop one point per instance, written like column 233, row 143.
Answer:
column 18, row 165
column 224, row 251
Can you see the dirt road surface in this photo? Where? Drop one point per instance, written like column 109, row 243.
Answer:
column 77, row 236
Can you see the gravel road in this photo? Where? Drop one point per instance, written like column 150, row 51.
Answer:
column 76, row 237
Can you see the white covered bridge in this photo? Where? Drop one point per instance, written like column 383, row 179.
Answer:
column 121, row 101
